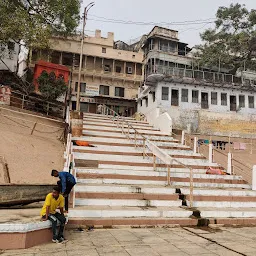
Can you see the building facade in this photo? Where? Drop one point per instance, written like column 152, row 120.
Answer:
column 10, row 55
column 191, row 96
column 110, row 74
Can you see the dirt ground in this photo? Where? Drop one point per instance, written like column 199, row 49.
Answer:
column 30, row 158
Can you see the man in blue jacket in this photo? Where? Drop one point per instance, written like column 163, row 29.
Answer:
column 66, row 183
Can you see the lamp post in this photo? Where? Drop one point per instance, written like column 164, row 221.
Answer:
column 86, row 9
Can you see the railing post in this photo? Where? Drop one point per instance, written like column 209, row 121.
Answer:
column 135, row 138
column 154, row 161
column 168, row 175
column 210, row 153
column 195, row 145
column 128, row 132
column 182, row 137
column 229, row 167
column 254, row 178
column 191, row 188
column 144, row 147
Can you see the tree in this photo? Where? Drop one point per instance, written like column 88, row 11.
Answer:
column 51, row 87
column 34, row 21
column 230, row 43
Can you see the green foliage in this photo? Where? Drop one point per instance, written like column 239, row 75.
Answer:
column 34, row 21
column 230, row 42
column 51, row 87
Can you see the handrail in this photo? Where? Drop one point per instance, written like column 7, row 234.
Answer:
column 155, row 150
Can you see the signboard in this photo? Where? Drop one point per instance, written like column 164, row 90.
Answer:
column 5, row 93
column 92, row 90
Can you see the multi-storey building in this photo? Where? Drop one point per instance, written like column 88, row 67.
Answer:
column 193, row 96
column 111, row 72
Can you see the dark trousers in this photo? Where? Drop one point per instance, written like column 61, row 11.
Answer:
column 54, row 218
column 69, row 187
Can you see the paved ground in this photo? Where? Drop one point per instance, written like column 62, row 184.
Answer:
column 147, row 242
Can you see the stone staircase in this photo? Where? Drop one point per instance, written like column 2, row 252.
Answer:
column 123, row 188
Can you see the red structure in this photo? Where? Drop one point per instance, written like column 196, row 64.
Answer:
column 59, row 70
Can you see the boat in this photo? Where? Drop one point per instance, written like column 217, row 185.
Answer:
column 22, row 194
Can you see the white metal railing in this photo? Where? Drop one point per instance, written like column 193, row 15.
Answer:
column 150, row 149
column 69, row 165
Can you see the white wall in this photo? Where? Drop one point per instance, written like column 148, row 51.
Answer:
column 10, row 58
column 186, row 115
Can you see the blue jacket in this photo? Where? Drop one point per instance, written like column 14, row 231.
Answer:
column 66, row 177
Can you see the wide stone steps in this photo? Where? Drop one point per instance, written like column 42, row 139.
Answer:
column 125, row 189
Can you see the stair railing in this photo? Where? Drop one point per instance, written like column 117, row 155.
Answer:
column 149, row 148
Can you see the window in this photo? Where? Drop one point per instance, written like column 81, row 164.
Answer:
column 141, row 103
column 214, row 99
column 129, row 70
column 133, row 56
column 251, row 101
column 104, row 90
column 153, row 96
column 82, row 87
column 107, row 68
column 11, row 46
column 104, row 50
column 224, row 99
column 195, row 96
column 119, row 91
column 165, row 93
column 118, row 69
column 241, row 101
column 184, row 95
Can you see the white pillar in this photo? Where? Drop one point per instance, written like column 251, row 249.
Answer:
column 210, row 153
column 229, row 167
column 195, row 145
column 254, row 178
column 183, row 137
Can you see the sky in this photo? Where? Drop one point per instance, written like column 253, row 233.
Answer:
column 201, row 12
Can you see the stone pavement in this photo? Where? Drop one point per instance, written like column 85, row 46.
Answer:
column 150, row 242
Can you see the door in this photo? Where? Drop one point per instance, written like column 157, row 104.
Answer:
column 232, row 103
column 175, row 97
column 204, row 100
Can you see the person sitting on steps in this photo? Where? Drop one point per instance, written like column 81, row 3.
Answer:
column 52, row 202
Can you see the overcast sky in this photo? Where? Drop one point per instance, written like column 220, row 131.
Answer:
column 149, row 11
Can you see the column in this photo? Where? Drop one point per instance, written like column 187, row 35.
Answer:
column 135, row 70
column 85, row 61
column 102, row 66
column 94, row 64
column 125, row 68
column 113, row 68
column 60, row 60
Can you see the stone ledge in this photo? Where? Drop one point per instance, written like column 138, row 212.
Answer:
column 23, row 228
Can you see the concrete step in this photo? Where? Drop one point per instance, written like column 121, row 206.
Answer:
column 115, row 129
column 125, row 143
column 138, row 180
column 228, row 212
column 226, row 203
column 219, row 192
column 131, row 222
column 138, row 160
column 114, row 125
column 110, row 119
column 126, row 202
column 108, row 188
column 158, row 174
column 128, row 212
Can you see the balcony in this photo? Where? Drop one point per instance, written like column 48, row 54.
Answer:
column 109, row 74
column 194, row 76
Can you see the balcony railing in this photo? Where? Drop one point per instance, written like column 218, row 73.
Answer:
column 211, row 77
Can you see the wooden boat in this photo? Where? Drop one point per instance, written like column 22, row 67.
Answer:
column 21, row 194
